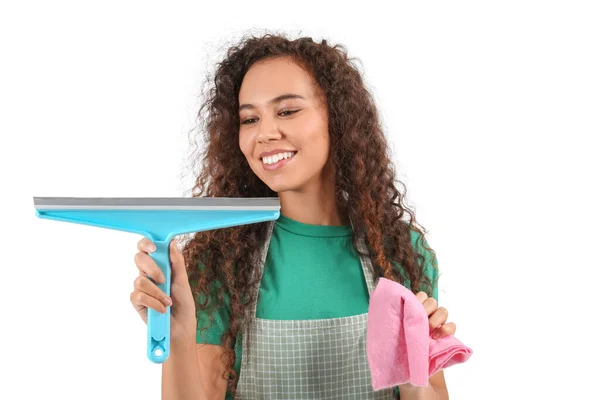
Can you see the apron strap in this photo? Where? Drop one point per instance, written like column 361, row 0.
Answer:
column 365, row 260
column 260, row 269
column 367, row 265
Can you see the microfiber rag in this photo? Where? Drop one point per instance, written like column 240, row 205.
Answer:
column 399, row 347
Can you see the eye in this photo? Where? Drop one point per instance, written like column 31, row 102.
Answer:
column 248, row 121
column 288, row 112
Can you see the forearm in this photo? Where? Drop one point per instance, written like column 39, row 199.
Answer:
column 181, row 373
column 410, row 392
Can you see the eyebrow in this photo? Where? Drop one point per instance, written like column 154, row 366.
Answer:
column 273, row 101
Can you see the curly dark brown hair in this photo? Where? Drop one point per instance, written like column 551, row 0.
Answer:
column 365, row 179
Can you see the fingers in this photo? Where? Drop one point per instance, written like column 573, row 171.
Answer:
column 430, row 306
column 147, row 295
column 144, row 285
column 437, row 318
column 444, row 330
column 429, row 303
column 146, row 245
column 147, row 265
column 142, row 301
column 422, row 296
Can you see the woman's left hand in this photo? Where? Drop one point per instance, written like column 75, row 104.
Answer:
column 438, row 327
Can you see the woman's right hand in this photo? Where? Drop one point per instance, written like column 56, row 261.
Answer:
column 147, row 294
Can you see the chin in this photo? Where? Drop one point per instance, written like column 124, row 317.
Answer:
column 280, row 186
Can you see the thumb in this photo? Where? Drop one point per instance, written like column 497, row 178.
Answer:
column 178, row 271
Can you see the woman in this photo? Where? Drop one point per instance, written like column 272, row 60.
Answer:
column 278, row 310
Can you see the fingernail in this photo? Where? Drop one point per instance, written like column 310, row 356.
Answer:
column 168, row 301
column 151, row 248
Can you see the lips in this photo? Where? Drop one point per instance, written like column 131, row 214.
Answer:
column 276, row 151
column 277, row 160
column 277, row 157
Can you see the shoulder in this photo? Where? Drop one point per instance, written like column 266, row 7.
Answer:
column 430, row 262
column 427, row 260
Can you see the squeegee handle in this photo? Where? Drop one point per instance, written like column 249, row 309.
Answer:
column 159, row 325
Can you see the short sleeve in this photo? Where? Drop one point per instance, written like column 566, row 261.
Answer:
column 430, row 267
column 213, row 320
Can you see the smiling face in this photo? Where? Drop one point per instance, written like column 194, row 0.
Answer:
column 283, row 125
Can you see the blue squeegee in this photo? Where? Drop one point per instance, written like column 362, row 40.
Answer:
column 159, row 219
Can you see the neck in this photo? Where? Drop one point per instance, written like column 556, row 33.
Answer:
column 315, row 206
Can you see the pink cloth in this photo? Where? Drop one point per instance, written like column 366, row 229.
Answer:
column 399, row 347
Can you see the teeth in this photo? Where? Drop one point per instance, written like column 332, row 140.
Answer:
column 277, row 157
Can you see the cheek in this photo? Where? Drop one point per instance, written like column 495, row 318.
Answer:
column 319, row 151
column 318, row 143
column 245, row 145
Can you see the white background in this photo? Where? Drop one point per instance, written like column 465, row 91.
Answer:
column 493, row 112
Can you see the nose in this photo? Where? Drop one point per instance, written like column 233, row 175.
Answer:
column 268, row 130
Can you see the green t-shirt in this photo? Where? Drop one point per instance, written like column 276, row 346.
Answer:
column 310, row 272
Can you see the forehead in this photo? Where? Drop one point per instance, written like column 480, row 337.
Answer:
column 267, row 79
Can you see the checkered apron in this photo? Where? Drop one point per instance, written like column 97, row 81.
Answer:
column 307, row 359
